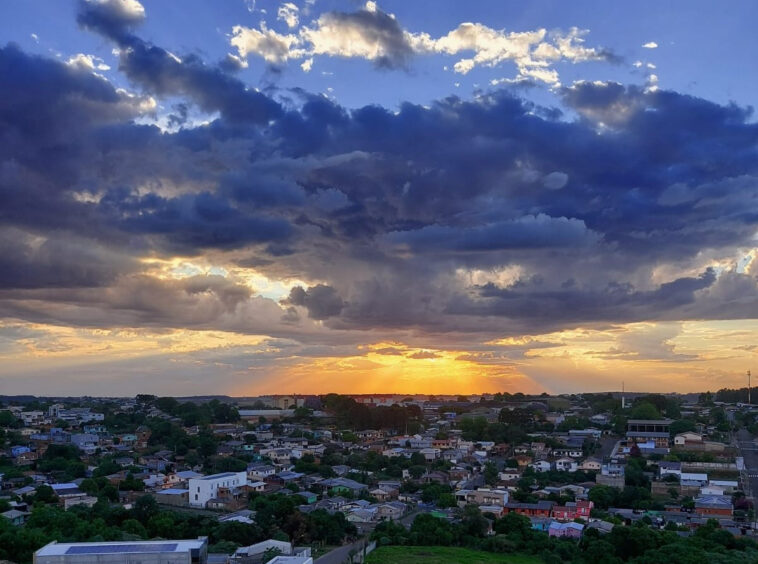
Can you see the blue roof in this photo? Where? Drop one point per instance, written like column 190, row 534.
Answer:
column 217, row 476
column 121, row 548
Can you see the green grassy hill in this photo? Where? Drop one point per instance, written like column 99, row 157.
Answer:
column 443, row 555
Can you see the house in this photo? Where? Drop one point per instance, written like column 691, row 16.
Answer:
column 362, row 515
column 654, row 430
column 540, row 509
column 688, row 437
column 591, row 465
column 309, row 497
column 255, row 552
column 172, row 496
column 523, row 460
column 436, row 476
column 384, row 495
column 714, row 506
column 569, row 452
column 573, row 510
column 482, row 496
column 202, row 490
column 541, row 466
column 430, row 454
column 154, row 481
column 175, row 478
column 509, row 475
column 392, row 510
column 586, row 433
column 260, row 471
column 343, row 485
column 568, row 530
column 566, row 465
column 459, row 473
column 66, row 490
column 86, row 442
column 539, row 449
column 602, row 527
column 15, row 516
column 242, row 516
column 18, row 450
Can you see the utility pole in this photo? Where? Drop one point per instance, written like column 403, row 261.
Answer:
column 748, row 387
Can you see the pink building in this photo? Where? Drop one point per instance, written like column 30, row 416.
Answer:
column 570, row 530
column 581, row 510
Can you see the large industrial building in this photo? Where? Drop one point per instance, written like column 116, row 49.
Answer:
column 133, row 552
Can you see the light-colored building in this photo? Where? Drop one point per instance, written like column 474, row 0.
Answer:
column 256, row 552
column 202, row 490
column 482, row 496
column 566, row 464
column 132, row 552
column 688, row 437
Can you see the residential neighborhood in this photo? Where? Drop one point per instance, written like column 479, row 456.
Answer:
column 235, row 470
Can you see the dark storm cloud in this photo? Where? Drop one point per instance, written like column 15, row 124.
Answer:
column 574, row 306
column 58, row 262
column 322, row 302
column 161, row 73
column 488, row 216
column 529, row 232
column 198, row 221
column 111, row 18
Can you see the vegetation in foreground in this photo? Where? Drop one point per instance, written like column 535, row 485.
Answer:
column 443, row 555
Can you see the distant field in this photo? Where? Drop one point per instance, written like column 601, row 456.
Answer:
column 443, row 555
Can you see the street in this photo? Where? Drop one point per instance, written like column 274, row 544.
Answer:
column 749, row 451
column 342, row 554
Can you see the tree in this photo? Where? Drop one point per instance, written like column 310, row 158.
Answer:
column 473, row 522
column 7, row 419
column 416, row 471
column 645, row 410
column 270, row 554
column 45, row 494
column 144, row 508
column 682, row 426
column 490, row 473
column 603, row 496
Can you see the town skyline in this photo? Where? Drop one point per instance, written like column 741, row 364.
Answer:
column 264, row 197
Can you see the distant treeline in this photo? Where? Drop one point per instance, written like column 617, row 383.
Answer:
column 734, row 396
column 351, row 414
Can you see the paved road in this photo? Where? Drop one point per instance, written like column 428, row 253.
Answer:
column 407, row 521
column 342, row 554
column 749, row 451
column 606, row 446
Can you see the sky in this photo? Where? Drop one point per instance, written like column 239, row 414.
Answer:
column 255, row 197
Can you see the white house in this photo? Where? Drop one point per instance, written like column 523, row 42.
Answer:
column 201, row 490
column 688, row 437
column 510, row 474
column 541, row 466
column 430, row 453
column 566, row 464
column 260, row 471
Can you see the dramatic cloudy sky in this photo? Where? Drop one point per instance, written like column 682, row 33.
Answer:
column 249, row 197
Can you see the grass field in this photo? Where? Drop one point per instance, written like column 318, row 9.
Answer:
column 443, row 555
